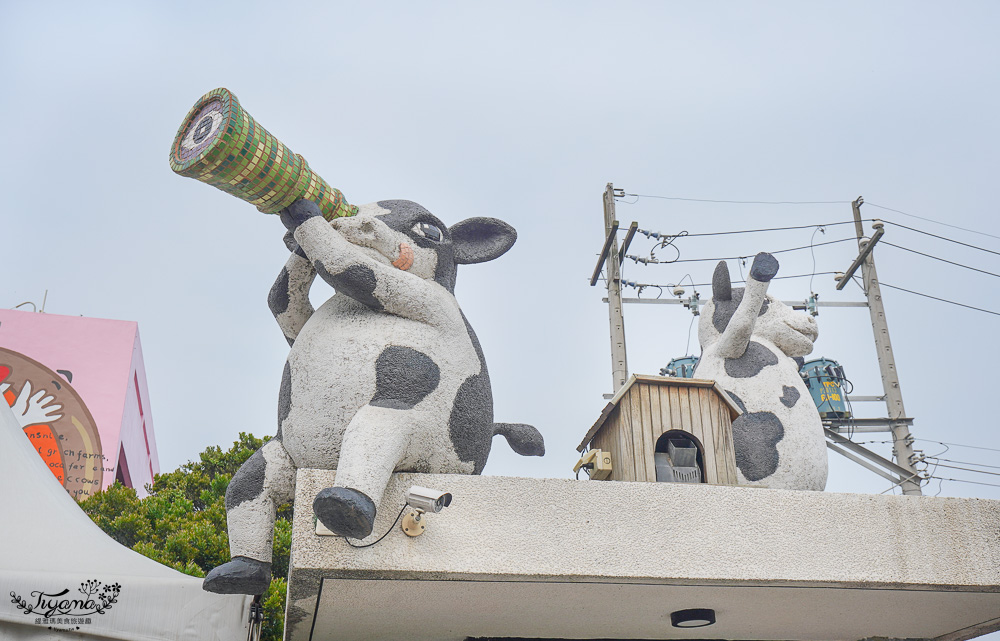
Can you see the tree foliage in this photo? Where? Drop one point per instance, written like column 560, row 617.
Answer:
column 182, row 523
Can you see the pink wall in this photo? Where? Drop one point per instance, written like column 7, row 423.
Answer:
column 105, row 359
column 137, row 426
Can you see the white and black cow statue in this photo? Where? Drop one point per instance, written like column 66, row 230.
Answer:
column 385, row 376
column 749, row 343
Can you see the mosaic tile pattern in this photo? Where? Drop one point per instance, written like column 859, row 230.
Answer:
column 220, row 144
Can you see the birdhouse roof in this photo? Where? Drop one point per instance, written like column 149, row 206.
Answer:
column 662, row 381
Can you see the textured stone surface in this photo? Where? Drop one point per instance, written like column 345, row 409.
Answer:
column 345, row 511
column 752, row 362
column 749, row 343
column 248, row 482
column 386, row 376
column 727, row 547
column 404, row 377
column 789, row 396
column 239, row 576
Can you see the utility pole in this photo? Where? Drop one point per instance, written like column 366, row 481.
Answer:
column 902, row 442
column 619, row 363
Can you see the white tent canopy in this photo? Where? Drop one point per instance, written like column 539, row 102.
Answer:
column 49, row 547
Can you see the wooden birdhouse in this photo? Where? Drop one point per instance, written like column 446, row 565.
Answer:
column 660, row 428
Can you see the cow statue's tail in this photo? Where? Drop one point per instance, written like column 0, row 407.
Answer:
column 523, row 439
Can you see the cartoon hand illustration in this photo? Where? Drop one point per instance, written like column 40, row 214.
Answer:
column 30, row 410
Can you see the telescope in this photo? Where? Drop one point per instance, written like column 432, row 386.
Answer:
column 220, row 144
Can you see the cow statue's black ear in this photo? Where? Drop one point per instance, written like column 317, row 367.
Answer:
column 722, row 288
column 478, row 240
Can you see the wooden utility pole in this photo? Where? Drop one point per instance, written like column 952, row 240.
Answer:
column 902, row 442
column 619, row 362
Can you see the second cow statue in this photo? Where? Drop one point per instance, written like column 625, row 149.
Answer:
column 750, row 342
column 386, row 376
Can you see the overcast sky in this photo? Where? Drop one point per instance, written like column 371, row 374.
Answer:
column 521, row 111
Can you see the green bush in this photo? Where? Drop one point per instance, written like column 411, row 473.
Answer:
column 182, row 523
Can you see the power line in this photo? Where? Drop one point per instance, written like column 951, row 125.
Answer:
column 995, row 467
column 968, row 469
column 928, row 440
column 943, row 300
column 942, row 478
column 754, row 231
column 914, row 251
column 694, row 285
column 746, row 202
column 950, row 240
column 780, row 251
column 931, row 220
column 809, row 202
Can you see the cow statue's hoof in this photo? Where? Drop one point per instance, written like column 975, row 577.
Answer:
column 345, row 512
column 242, row 575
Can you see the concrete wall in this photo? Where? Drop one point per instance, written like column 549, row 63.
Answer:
column 905, row 554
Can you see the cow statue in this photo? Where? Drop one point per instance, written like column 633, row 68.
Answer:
column 386, row 376
column 749, row 343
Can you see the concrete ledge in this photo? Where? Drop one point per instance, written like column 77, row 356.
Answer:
column 890, row 566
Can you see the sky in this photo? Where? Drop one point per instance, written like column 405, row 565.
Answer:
column 523, row 112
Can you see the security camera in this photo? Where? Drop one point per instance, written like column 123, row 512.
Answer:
column 424, row 499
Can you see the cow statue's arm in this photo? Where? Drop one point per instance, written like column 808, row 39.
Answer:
column 289, row 296
column 736, row 337
column 349, row 270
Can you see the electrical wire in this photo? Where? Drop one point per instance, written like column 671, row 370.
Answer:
column 943, row 300
column 928, row 440
column 693, row 285
column 747, row 202
column 995, row 467
column 931, row 220
column 687, row 347
column 965, row 481
column 766, row 229
column 809, row 202
column 950, row 240
column 967, row 469
column 914, row 251
column 391, row 528
column 812, row 251
column 779, row 251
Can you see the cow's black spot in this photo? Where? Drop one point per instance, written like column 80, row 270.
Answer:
column 277, row 298
column 357, row 281
column 789, row 396
column 403, row 377
column 284, row 397
column 471, row 421
column 724, row 309
column 755, row 438
column 754, row 359
column 248, row 482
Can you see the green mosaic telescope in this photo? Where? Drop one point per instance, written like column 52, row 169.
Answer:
column 220, row 144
